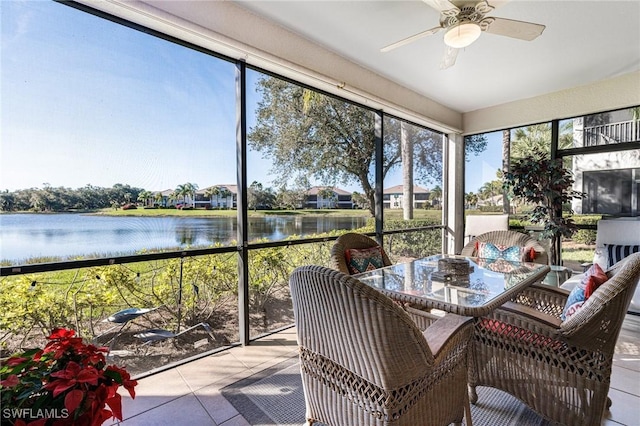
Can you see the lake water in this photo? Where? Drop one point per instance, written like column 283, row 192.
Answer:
column 24, row 236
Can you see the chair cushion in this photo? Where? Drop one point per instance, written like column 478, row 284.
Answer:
column 617, row 252
column 516, row 334
column 591, row 280
column 487, row 250
column 361, row 260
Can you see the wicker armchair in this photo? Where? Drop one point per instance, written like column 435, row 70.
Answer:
column 351, row 240
column 507, row 238
column 364, row 362
column 561, row 369
column 423, row 318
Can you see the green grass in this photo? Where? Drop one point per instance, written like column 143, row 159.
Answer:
column 230, row 212
column 388, row 213
column 578, row 254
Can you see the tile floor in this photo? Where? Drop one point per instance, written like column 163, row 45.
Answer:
column 190, row 394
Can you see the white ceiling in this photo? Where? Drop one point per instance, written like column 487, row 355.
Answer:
column 584, row 42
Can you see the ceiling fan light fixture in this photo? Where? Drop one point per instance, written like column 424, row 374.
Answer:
column 462, row 35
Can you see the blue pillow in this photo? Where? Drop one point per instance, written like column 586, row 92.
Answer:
column 493, row 251
column 619, row 252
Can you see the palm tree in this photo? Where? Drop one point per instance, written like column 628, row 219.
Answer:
column 225, row 194
column 329, row 195
column 436, row 194
column 486, row 192
column 213, row 191
column 157, row 197
column 174, row 196
column 506, row 150
column 145, row 196
column 471, row 199
column 187, row 189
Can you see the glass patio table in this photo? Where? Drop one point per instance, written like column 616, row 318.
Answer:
column 461, row 285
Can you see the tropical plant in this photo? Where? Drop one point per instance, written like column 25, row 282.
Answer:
column 436, row 194
column 66, row 383
column 187, row 190
column 329, row 196
column 547, row 184
column 360, row 200
column 145, row 196
column 471, row 200
column 213, row 191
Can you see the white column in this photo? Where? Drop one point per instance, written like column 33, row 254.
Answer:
column 453, row 214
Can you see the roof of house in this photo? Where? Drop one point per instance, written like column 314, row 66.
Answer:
column 314, row 190
column 231, row 188
column 398, row 190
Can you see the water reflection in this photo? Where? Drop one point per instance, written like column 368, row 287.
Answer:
column 25, row 236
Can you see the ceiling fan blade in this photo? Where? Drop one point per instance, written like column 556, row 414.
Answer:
column 443, row 6
column 449, row 58
column 410, row 39
column 515, row 29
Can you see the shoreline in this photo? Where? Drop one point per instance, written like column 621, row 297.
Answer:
column 203, row 213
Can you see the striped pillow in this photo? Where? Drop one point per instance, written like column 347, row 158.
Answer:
column 617, row 252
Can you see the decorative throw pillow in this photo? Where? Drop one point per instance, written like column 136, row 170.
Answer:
column 361, row 260
column 592, row 279
column 496, row 251
column 618, row 252
column 498, row 265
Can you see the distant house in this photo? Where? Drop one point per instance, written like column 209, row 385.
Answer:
column 162, row 198
column 326, row 197
column 393, row 196
column 230, row 201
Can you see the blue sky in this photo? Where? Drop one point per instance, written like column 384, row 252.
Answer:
column 96, row 103
column 482, row 168
column 86, row 101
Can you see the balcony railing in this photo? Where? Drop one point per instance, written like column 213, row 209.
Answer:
column 614, row 133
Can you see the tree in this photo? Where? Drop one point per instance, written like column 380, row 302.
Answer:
column 290, row 198
column 260, row 197
column 360, row 200
column 308, row 134
column 528, row 140
column 436, row 194
column 187, row 190
column 7, row 201
column 145, row 196
column 474, row 145
column 157, row 197
column 547, row 184
column 329, row 195
column 225, row 194
column 471, row 199
column 213, row 191
column 506, row 150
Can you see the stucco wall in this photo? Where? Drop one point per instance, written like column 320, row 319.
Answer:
column 618, row 92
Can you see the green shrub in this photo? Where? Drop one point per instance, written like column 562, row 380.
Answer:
column 414, row 244
column 490, row 209
column 584, row 236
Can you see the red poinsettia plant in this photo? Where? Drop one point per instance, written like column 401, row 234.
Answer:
column 66, row 383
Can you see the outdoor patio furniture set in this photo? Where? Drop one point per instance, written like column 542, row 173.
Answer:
column 373, row 351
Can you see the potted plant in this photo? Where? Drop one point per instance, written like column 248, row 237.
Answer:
column 547, row 184
column 66, row 383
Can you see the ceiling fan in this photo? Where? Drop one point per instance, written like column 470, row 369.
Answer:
column 464, row 21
